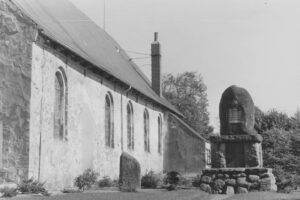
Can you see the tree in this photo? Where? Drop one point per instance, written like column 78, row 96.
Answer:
column 187, row 92
column 281, row 145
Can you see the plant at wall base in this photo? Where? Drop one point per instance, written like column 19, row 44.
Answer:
column 105, row 182
column 32, row 186
column 85, row 180
column 172, row 179
column 150, row 180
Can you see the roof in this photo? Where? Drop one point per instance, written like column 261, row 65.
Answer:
column 61, row 21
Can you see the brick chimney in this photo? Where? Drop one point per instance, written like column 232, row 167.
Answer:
column 155, row 65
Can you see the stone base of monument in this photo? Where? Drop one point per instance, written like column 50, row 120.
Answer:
column 237, row 180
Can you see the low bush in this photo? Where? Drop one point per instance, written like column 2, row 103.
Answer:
column 85, row 180
column 32, row 186
column 150, row 180
column 9, row 192
column 172, row 179
column 105, row 182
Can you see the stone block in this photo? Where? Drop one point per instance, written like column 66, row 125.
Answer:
column 266, row 175
column 130, row 173
column 241, row 182
column 268, row 184
column 254, row 186
column 231, row 182
column 218, row 185
column 206, row 179
column 253, row 178
column 230, row 190
column 257, row 170
column 241, row 190
column 220, row 176
column 254, row 137
column 205, row 187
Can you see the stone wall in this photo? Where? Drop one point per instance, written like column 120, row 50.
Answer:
column 61, row 161
column 16, row 35
column 237, row 180
column 184, row 148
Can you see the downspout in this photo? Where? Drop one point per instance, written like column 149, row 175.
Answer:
column 122, row 137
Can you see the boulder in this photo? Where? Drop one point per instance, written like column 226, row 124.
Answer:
column 130, row 173
column 206, row 179
column 205, row 187
column 254, row 186
column 268, row 184
column 230, row 190
column 218, row 185
column 231, row 182
column 241, row 190
column 253, row 178
column 241, row 182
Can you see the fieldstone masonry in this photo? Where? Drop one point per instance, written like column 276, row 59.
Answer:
column 17, row 32
column 236, row 153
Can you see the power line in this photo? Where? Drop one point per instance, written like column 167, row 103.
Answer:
column 136, row 52
column 136, row 58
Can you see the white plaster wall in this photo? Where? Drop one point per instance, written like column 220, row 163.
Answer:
column 61, row 161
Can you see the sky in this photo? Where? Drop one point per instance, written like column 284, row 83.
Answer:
column 254, row 44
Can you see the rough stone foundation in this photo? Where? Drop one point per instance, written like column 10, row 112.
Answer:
column 237, row 180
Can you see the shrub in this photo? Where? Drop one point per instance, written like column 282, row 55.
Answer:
column 85, row 180
column 9, row 192
column 150, row 180
column 172, row 178
column 32, row 186
column 196, row 181
column 105, row 182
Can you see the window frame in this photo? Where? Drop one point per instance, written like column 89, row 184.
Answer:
column 109, row 121
column 160, row 133
column 146, row 131
column 61, row 105
column 130, row 126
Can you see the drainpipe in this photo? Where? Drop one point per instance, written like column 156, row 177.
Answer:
column 122, row 137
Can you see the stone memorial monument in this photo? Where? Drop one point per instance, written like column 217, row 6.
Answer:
column 237, row 163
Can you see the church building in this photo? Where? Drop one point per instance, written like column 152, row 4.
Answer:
column 72, row 99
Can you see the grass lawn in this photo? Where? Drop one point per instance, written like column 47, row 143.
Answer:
column 265, row 196
column 193, row 194
column 142, row 195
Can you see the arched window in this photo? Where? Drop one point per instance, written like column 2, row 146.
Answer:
column 159, row 122
column 60, row 105
column 146, row 131
column 109, row 121
column 130, row 127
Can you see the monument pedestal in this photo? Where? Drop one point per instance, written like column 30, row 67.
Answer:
column 230, row 151
column 237, row 180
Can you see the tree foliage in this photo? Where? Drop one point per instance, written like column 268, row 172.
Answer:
column 281, row 145
column 187, row 92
